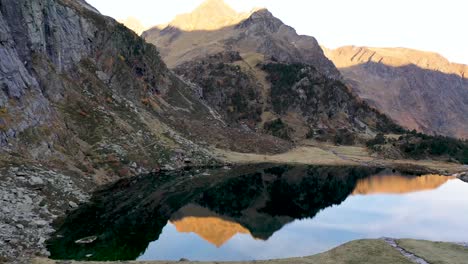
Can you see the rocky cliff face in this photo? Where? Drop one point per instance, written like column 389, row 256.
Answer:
column 420, row 90
column 258, row 32
column 82, row 90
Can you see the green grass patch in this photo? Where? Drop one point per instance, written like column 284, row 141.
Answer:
column 436, row 252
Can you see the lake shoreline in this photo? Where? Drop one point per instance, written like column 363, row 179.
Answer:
column 357, row 251
column 35, row 196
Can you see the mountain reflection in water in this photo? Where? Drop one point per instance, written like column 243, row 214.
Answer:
column 255, row 201
column 399, row 184
column 209, row 226
column 217, row 231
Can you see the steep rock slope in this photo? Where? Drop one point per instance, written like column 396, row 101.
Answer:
column 420, row 90
column 84, row 91
column 197, row 35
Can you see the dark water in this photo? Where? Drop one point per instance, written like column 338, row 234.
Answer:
column 260, row 212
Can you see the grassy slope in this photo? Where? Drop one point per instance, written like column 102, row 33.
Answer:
column 327, row 154
column 436, row 252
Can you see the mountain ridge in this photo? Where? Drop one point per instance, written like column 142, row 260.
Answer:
column 398, row 56
column 255, row 32
column 210, row 15
column 420, row 90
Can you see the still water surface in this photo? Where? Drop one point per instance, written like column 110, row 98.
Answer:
column 262, row 212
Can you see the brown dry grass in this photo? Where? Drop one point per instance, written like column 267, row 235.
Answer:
column 325, row 154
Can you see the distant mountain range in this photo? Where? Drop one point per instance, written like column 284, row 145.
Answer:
column 419, row 90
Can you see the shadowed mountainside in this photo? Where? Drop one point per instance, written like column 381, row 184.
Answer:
column 419, row 90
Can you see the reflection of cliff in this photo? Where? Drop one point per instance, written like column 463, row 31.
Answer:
column 399, row 184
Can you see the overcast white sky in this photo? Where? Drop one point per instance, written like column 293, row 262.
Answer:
column 432, row 25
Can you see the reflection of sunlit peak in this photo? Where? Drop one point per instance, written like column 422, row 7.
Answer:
column 215, row 230
column 398, row 184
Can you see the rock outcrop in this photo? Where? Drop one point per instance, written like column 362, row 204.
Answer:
column 420, row 90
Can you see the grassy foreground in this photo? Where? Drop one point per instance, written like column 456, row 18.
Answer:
column 436, row 252
column 367, row 251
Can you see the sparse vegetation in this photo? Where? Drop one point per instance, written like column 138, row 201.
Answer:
column 378, row 140
column 3, row 111
column 232, row 92
column 278, row 128
column 345, row 137
column 300, row 86
column 418, row 145
column 282, row 78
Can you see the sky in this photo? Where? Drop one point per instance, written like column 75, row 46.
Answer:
column 431, row 25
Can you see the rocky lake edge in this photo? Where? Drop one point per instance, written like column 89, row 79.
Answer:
column 32, row 197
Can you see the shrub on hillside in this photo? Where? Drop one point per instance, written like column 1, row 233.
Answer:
column 278, row 128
